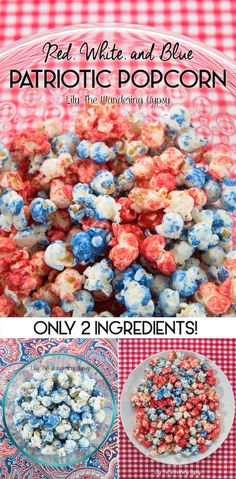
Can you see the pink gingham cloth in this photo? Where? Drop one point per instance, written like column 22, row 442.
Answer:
column 221, row 464
column 210, row 21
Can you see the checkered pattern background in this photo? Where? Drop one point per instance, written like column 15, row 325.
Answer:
column 211, row 21
column 219, row 465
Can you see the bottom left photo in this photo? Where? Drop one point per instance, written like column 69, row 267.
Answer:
column 59, row 408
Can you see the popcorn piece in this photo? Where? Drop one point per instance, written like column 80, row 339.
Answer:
column 58, row 256
column 99, row 277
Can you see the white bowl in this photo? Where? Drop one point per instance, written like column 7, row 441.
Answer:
column 226, row 407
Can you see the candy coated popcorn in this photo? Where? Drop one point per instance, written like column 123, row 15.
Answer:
column 122, row 207
column 171, row 226
column 176, row 406
column 58, row 411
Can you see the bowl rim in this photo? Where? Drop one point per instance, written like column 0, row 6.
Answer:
column 56, row 464
column 119, row 27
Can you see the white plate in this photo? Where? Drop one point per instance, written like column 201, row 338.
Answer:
column 227, row 409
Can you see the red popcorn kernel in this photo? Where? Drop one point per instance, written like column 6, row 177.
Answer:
column 230, row 265
column 153, row 135
column 29, row 142
column 148, row 200
column 7, row 246
column 60, row 193
column 7, row 306
column 144, row 167
column 127, row 214
column 92, row 222
column 199, row 196
column 11, row 179
column 38, row 263
column 166, row 262
column 125, row 251
column 151, row 247
column 22, row 280
column 227, row 288
column 61, row 220
column 171, row 161
column 150, row 220
column 220, row 165
column 146, row 443
column 163, row 180
column 85, row 170
column 55, row 235
column 209, row 295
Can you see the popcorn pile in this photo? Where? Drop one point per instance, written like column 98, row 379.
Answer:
column 176, row 406
column 58, row 411
column 122, row 217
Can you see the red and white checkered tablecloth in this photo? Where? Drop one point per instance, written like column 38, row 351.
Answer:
column 211, row 21
column 220, row 464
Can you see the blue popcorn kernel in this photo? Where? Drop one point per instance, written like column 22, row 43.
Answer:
column 75, row 417
column 42, row 391
column 83, row 149
column 39, row 308
column 51, row 421
column 201, row 237
column 36, row 421
column 47, row 436
column 56, row 394
column 88, row 245
column 136, row 298
column 136, row 273
column 11, row 203
column 221, row 219
column 125, row 181
column 212, row 189
column 85, row 302
column 203, row 433
column 87, row 415
column 177, row 391
column 175, row 119
column 100, row 152
column 96, row 393
column 41, row 210
column 168, row 302
column 103, row 183
column 171, row 226
column 228, row 195
column 177, row 400
column 195, row 178
column 211, row 416
column 65, row 143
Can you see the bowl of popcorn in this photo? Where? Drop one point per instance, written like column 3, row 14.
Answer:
column 117, row 183
column 58, row 409
column 177, row 407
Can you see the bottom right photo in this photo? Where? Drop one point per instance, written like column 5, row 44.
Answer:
column 177, row 408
